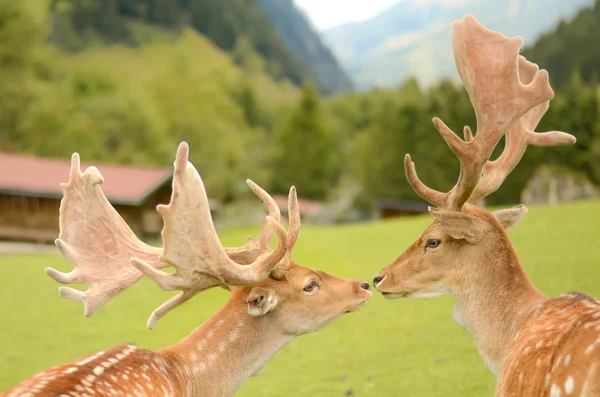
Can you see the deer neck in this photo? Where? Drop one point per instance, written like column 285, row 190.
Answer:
column 493, row 295
column 222, row 353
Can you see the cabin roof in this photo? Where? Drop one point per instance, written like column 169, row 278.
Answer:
column 41, row 177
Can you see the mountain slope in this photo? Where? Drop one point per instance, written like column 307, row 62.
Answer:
column 572, row 47
column 296, row 32
column 272, row 28
column 77, row 24
column 414, row 36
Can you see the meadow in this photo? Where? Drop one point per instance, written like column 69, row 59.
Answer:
column 404, row 347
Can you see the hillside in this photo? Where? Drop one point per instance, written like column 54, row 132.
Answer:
column 296, row 32
column 232, row 25
column 571, row 48
column 413, row 37
column 409, row 347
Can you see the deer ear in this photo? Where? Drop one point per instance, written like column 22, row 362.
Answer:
column 261, row 301
column 459, row 225
column 510, row 217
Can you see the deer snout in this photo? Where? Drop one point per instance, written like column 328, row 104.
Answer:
column 377, row 279
column 364, row 285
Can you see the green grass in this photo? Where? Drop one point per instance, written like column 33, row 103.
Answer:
column 390, row 348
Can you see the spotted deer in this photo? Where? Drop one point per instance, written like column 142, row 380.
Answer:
column 273, row 300
column 534, row 345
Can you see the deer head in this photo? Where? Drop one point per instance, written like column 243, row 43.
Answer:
column 109, row 258
column 509, row 95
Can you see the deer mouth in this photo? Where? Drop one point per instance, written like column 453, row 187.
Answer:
column 394, row 295
column 357, row 307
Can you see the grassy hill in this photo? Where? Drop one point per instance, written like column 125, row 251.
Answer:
column 390, row 348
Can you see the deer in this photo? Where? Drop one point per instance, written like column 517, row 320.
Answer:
column 273, row 300
column 533, row 344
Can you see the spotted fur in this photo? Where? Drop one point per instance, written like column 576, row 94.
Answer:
column 555, row 351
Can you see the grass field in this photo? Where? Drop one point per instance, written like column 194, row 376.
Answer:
column 391, row 348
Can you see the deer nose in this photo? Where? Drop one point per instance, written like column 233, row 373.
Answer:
column 377, row 279
column 365, row 286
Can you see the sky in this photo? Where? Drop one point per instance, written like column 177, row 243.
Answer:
column 326, row 14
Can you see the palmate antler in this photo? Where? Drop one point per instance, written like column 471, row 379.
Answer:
column 109, row 258
column 509, row 95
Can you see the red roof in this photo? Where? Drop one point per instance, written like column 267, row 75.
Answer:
column 41, row 177
column 307, row 207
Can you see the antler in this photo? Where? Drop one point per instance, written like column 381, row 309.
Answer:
column 505, row 90
column 259, row 246
column 97, row 241
column 102, row 248
column 255, row 247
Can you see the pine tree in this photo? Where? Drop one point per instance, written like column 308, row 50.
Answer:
column 305, row 157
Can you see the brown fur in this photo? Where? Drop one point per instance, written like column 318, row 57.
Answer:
column 556, row 350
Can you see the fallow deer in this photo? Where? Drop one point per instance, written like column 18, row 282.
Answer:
column 273, row 300
column 534, row 345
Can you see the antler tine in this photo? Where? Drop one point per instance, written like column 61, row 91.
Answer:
column 255, row 247
column 430, row 195
column 487, row 64
column 295, row 223
column 192, row 247
column 97, row 241
column 518, row 137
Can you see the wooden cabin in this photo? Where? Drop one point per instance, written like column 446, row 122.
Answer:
column 389, row 208
column 30, row 195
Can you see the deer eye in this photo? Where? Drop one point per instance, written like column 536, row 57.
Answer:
column 433, row 243
column 310, row 287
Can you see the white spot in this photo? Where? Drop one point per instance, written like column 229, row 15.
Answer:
column 146, row 377
column 124, row 376
column 538, row 362
column 210, row 333
column 538, row 345
column 70, row 370
column 233, row 336
column 527, row 349
column 98, row 370
column 220, row 322
column 120, row 356
column 79, row 388
column 113, row 360
column 87, row 360
column 521, row 378
column 589, row 349
column 567, row 359
column 547, row 382
column 557, row 363
column 569, row 385
column 555, row 391
column 212, row 357
column 113, row 378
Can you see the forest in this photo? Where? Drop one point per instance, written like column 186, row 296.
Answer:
column 124, row 81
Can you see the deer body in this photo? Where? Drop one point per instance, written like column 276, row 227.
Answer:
column 273, row 299
column 214, row 360
column 519, row 332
